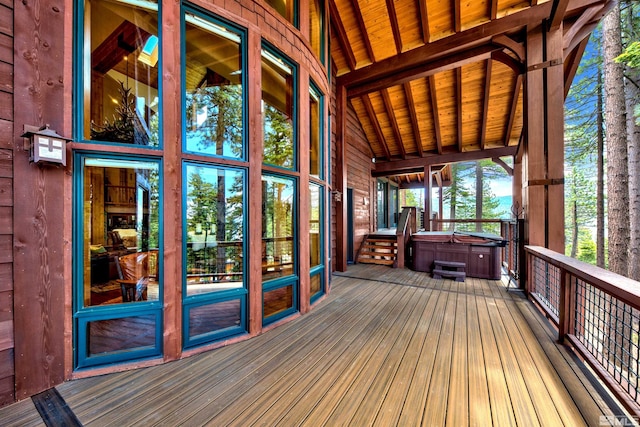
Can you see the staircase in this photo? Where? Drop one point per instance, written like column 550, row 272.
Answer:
column 378, row 249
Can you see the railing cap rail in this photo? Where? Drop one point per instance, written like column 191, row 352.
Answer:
column 623, row 288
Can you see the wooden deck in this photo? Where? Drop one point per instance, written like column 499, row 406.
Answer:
column 387, row 347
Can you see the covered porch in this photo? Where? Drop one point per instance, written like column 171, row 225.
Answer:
column 386, row 347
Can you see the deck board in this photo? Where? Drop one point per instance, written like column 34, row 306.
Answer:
column 386, row 347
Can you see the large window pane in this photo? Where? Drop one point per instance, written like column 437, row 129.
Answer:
column 278, row 254
column 213, row 84
column 120, row 72
column 316, row 27
column 124, row 334
column 121, row 231
column 278, row 111
column 214, row 220
column 315, row 132
column 286, row 8
column 277, row 301
column 315, row 226
column 214, row 317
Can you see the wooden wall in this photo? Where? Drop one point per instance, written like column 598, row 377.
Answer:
column 7, row 369
column 359, row 179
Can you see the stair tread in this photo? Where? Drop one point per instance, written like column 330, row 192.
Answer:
column 452, row 264
column 449, row 273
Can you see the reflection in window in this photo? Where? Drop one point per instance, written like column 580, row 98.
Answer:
column 315, row 235
column 315, row 131
column 278, row 111
column 316, row 27
column 213, row 80
column 278, row 255
column 215, row 229
column 277, row 301
column 124, row 334
column 214, row 317
column 284, row 8
column 120, row 217
column 121, row 72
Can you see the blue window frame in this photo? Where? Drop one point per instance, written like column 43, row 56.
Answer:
column 116, row 76
column 117, row 262
column 316, row 241
column 214, row 248
column 214, row 78
column 279, row 109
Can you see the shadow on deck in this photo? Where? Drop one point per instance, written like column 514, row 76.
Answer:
column 387, row 347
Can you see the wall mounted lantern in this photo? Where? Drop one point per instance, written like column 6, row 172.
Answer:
column 45, row 145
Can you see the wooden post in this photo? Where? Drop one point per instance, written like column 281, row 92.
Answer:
column 544, row 143
column 304, row 193
column 428, row 185
column 340, row 185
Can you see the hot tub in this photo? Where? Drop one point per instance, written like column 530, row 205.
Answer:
column 481, row 252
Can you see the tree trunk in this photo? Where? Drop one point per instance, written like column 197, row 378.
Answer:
column 574, row 230
column 600, row 260
column 616, row 124
column 632, row 97
column 479, row 195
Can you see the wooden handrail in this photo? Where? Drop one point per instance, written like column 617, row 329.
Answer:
column 403, row 233
column 623, row 288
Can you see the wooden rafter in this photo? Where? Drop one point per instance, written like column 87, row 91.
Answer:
column 424, row 21
column 434, row 110
column 450, row 62
column 459, row 106
column 512, row 111
column 413, row 116
column 467, row 39
column 557, row 13
column 338, row 27
column 506, row 167
column 493, row 10
column 485, row 101
column 394, row 123
column 363, row 29
column 376, row 126
column 509, row 61
column 394, row 25
column 457, row 19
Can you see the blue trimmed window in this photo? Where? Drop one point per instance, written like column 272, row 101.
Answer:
column 288, row 9
column 117, row 79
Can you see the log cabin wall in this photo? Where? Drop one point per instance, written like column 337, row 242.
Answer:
column 7, row 371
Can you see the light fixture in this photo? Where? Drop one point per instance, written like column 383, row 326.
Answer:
column 45, row 145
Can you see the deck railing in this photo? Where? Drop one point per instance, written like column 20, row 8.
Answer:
column 596, row 311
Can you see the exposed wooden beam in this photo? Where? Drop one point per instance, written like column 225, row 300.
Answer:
column 424, row 20
column 464, row 40
column 413, row 116
column 511, row 44
column 557, row 13
column 434, row 109
column 572, row 62
column 459, row 106
column 509, row 61
column 341, row 35
column 398, row 167
column 363, row 29
column 506, row 167
column 457, row 19
column 394, row 123
column 391, row 10
column 376, row 125
column 450, row 62
column 514, row 106
column 582, row 20
column 485, row 101
column 493, row 10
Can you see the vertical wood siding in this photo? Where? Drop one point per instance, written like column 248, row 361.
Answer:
column 7, row 367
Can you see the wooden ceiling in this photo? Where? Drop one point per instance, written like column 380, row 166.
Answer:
column 445, row 77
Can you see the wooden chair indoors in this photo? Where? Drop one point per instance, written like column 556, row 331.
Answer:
column 134, row 272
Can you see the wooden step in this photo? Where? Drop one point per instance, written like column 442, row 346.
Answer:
column 449, row 264
column 376, row 261
column 458, row 275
